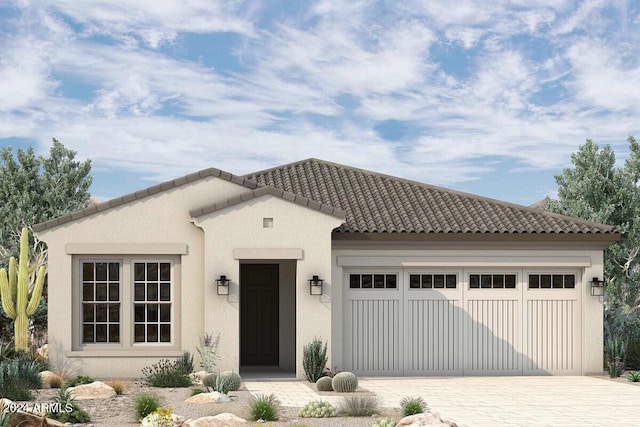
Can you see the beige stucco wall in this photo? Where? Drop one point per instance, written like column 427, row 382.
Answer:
column 241, row 227
column 586, row 260
column 160, row 222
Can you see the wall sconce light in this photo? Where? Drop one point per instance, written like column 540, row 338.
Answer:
column 222, row 285
column 597, row 287
column 315, row 286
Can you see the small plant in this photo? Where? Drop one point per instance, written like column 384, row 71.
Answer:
column 634, row 376
column 161, row 417
column 360, row 406
column 71, row 411
column 616, row 367
column 17, row 378
column 615, row 351
column 166, row 373
column 317, row 409
column 55, row 381
column 324, row 384
column 385, row 422
column 264, row 408
column 79, row 380
column 412, row 405
column 146, row 403
column 345, row 382
column 314, row 359
column 118, row 386
column 232, row 379
column 208, row 352
column 195, row 391
column 331, row 372
column 185, row 363
column 217, row 383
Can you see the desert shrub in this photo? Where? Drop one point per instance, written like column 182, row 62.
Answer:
column 634, row 376
column 145, row 404
column 118, row 385
column 324, row 384
column 167, row 373
column 345, row 382
column 184, row 363
column 208, row 352
column 264, row 408
column 615, row 349
column 71, row 411
column 161, row 417
column 385, row 422
column 217, row 383
column 412, row 405
column 55, row 381
column 314, row 359
column 76, row 381
column 360, row 406
column 317, row 409
column 17, row 378
column 232, row 379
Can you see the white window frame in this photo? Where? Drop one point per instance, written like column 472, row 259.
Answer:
column 126, row 303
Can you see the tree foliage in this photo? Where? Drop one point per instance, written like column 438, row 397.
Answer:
column 34, row 189
column 596, row 190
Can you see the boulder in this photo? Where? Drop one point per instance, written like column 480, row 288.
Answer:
column 95, row 390
column 24, row 419
column 197, row 377
column 425, row 419
column 221, row 420
column 213, row 397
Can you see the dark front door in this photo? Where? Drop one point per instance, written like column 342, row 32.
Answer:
column 259, row 338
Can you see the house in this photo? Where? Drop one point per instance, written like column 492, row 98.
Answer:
column 399, row 277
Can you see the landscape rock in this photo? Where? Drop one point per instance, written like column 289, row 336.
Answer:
column 25, row 419
column 221, row 420
column 197, row 377
column 95, row 390
column 213, row 397
column 426, row 419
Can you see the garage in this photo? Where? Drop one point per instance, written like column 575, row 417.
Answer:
column 466, row 321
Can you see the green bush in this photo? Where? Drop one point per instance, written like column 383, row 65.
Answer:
column 360, row 406
column 76, row 381
column 185, row 363
column 264, row 408
column 146, row 403
column 71, row 411
column 17, row 378
column 634, row 377
column 317, row 409
column 196, row 391
column 167, row 373
column 412, row 406
column 314, row 359
column 615, row 350
column 385, row 422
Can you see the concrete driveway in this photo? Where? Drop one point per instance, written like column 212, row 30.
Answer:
column 495, row 401
column 519, row 401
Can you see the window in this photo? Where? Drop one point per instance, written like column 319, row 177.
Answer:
column 127, row 301
column 152, row 302
column 101, row 302
column 552, row 281
column 433, row 281
column 492, row 281
column 373, row 281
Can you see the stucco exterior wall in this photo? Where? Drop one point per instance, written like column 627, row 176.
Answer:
column 587, row 260
column 143, row 227
column 242, row 227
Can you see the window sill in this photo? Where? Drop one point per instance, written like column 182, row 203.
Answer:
column 123, row 353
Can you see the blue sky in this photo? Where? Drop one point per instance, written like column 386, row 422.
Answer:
column 488, row 97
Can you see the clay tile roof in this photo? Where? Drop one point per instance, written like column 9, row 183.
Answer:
column 377, row 203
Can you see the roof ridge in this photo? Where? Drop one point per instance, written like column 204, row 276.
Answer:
column 444, row 190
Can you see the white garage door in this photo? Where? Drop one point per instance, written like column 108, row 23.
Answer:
column 464, row 322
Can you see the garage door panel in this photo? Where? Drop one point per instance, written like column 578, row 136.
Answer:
column 433, row 340
column 493, row 336
column 375, row 339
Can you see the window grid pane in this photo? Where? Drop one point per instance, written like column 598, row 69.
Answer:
column 152, row 308
column 100, row 302
column 366, row 281
column 552, row 281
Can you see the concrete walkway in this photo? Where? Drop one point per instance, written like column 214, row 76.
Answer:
column 495, row 401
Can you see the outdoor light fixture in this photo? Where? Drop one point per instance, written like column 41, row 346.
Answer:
column 597, row 287
column 222, row 285
column 315, row 286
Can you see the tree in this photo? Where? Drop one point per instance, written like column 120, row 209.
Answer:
column 36, row 189
column 596, row 190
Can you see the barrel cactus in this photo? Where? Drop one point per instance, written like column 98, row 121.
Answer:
column 232, row 380
column 209, row 380
column 317, row 409
column 324, row 384
column 345, row 382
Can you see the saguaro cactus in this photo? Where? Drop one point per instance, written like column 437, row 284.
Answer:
column 17, row 301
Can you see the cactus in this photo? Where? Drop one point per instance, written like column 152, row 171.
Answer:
column 324, row 384
column 345, row 382
column 18, row 303
column 232, row 379
column 385, row 422
column 209, row 380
